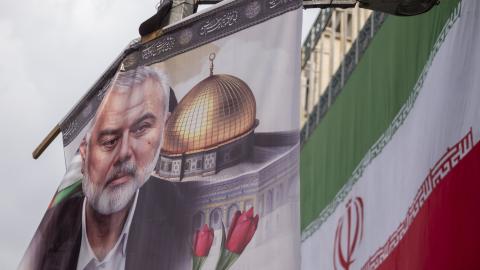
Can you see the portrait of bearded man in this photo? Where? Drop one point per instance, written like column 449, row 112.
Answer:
column 123, row 219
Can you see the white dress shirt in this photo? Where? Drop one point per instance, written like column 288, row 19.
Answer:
column 115, row 259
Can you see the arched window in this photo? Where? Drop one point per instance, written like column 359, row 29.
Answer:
column 231, row 213
column 280, row 196
column 260, row 204
column 198, row 220
column 269, row 201
column 216, row 219
column 249, row 204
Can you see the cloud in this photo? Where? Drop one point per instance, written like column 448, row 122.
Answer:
column 52, row 52
column 24, row 110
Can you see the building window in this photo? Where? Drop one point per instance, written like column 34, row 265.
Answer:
column 269, row 201
column 216, row 219
column 198, row 220
column 231, row 213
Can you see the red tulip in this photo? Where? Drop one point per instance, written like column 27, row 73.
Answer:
column 203, row 241
column 241, row 231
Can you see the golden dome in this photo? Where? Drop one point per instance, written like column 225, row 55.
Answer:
column 218, row 110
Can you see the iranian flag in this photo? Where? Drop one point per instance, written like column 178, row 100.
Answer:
column 391, row 176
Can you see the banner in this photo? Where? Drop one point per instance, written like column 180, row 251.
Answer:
column 401, row 185
column 185, row 153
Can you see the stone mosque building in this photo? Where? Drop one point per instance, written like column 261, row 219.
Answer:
column 211, row 147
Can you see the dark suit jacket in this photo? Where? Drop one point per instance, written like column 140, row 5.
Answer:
column 159, row 236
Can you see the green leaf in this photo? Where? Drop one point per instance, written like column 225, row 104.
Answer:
column 227, row 258
column 198, row 262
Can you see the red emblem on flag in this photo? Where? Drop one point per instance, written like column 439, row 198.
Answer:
column 348, row 235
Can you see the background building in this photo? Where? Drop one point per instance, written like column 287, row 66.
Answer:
column 330, row 52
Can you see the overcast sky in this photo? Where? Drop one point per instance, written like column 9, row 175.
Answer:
column 51, row 52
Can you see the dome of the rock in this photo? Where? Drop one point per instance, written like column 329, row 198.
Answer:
column 218, row 110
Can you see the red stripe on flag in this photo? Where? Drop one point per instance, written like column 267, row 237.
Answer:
column 445, row 233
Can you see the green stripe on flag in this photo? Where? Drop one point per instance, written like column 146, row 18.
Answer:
column 372, row 97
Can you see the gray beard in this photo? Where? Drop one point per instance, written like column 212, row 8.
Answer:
column 110, row 200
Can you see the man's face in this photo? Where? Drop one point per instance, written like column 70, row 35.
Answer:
column 123, row 145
